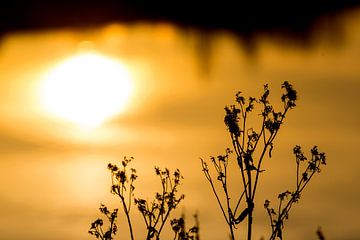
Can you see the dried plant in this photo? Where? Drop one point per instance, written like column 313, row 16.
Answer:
column 251, row 147
column 155, row 213
column 179, row 228
column 288, row 198
column 123, row 186
column 96, row 228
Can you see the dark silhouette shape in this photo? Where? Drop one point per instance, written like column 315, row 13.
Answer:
column 288, row 198
column 320, row 234
column 96, row 228
column 181, row 233
column 294, row 18
column 251, row 147
column 155, row 213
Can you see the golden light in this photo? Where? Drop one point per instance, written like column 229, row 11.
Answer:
column 86, row 89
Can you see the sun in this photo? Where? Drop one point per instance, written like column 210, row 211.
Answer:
column 86, row 89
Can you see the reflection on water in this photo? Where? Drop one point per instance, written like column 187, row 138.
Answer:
column 54, row 175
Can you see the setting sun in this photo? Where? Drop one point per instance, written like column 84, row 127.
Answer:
column 86, row 89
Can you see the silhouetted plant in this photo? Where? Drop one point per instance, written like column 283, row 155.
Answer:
column 179, row 228
column 96, row 228
column 251, row 147
column 155, row 213
column 123, row 184
column 288, row 198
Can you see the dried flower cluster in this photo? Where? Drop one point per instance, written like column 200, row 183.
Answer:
column 155, row 213
column 96, row 228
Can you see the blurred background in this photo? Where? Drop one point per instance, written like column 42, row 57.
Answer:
column 183, row 63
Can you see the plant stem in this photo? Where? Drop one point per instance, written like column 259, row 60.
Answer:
column 216, row 195
column 249, row 225
column 127, row 216
column 228, row 205
column 268, row 143
column 250, row 204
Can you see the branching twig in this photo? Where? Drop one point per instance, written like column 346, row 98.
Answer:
column 313, row 166
column 246, row 142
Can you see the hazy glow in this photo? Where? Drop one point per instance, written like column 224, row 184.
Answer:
column 54, row 176
column 86, row 89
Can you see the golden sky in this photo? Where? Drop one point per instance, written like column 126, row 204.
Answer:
column 53, row 172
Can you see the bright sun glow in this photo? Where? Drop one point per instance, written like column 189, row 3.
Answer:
column 86, row 89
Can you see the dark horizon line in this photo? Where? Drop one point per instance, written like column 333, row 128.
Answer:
column 292, row 18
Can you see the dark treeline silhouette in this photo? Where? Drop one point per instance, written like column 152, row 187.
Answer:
column 243, row 17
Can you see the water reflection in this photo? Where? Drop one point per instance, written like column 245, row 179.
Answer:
column 54, row 174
